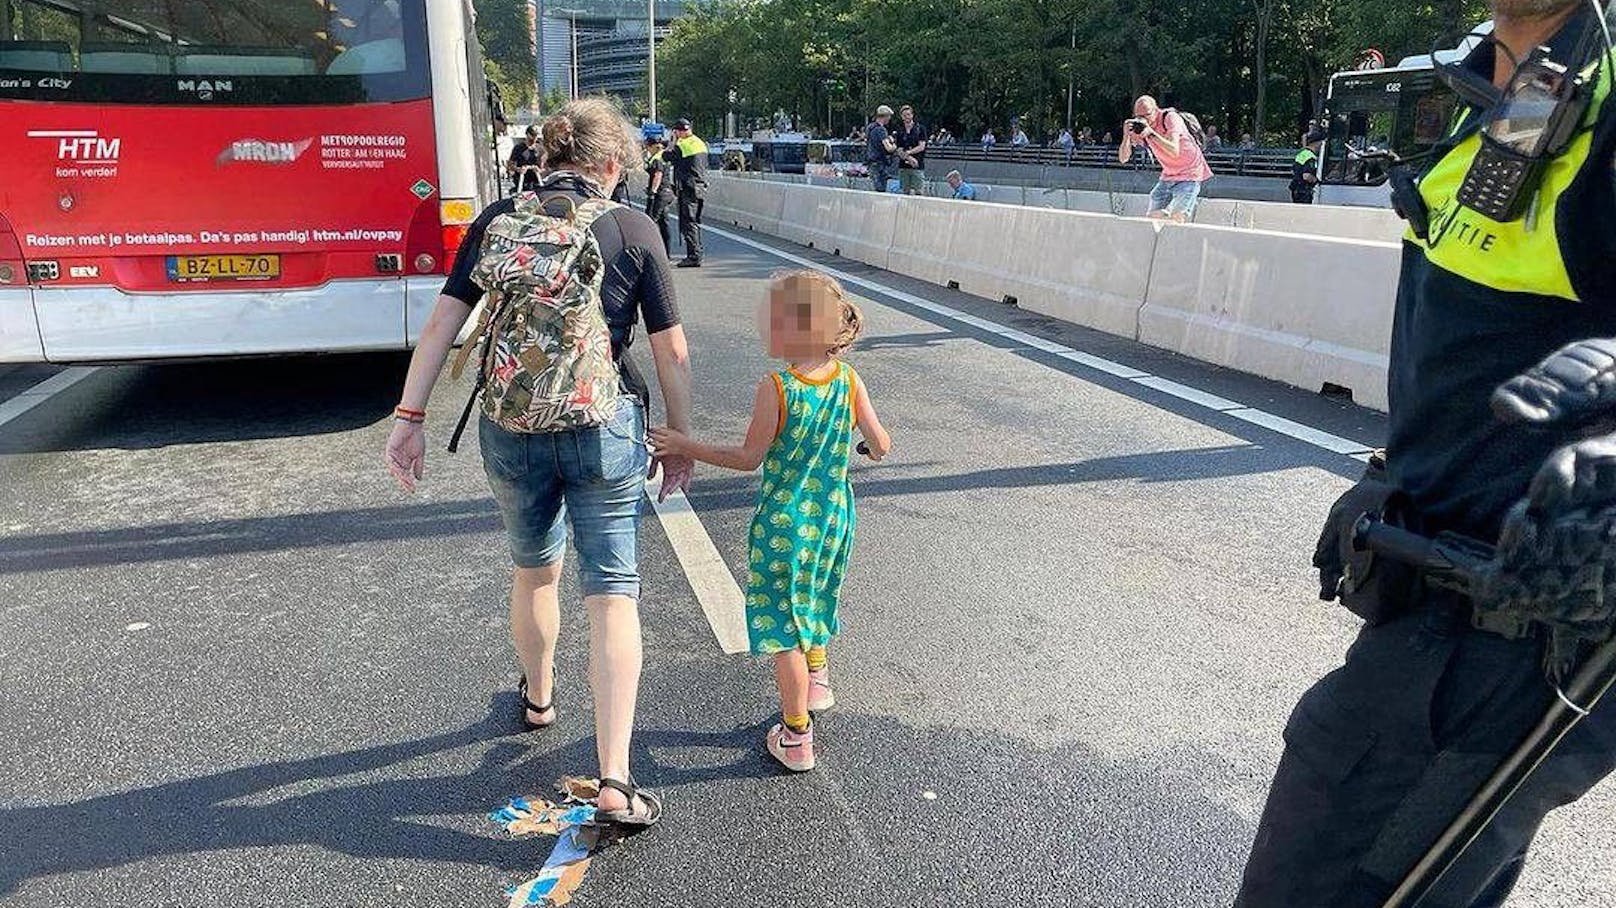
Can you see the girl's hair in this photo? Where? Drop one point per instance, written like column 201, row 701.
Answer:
column 587, row 134
column 819, row 286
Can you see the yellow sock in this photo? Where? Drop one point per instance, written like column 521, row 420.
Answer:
column 797, row 724
column 817, row 659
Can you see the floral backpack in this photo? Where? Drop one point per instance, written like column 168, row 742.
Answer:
column 546, row 349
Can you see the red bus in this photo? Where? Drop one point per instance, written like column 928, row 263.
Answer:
column 233, row 177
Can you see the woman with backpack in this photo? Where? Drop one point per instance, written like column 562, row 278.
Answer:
column 567, row 275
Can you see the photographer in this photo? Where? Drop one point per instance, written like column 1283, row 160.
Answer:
column 1183, row 165
column 1502, row 383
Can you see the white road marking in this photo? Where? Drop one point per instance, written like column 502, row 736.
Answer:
column 715, row 587
column 1335, row 444
column 43, row 391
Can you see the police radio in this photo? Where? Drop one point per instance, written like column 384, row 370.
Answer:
column 1535, row 120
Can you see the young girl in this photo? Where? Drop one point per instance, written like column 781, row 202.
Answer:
column 802, row 435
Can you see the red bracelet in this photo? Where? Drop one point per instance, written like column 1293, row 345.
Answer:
column 406, row 411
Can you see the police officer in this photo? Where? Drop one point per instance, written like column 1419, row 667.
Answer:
column 688, row 157
column 658, row 188
column 1305, row 169
column 1491, row 382
column 523, row 163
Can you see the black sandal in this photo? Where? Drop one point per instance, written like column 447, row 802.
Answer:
column 530, row 706
column 644, row 807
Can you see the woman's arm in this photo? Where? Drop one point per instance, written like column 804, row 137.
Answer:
column 746, row 458
column 406, row 446
column 869, row 425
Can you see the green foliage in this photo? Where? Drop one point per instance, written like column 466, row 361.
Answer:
column 973, row 64
column 507, row 43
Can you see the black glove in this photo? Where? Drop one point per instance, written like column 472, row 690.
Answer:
column 1571, row 387
column 1334, row 550
column 1558, row 571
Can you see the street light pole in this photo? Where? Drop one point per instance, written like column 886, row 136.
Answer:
column 574, row 19
column 650, row 22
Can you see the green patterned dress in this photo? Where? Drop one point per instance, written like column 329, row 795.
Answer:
column 803, row 530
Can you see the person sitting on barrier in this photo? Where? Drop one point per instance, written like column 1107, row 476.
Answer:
column 801, row 434
column 962, row 190
column 989, row 140
column 1162, row 132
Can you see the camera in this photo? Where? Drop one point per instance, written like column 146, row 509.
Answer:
column 1137, row 126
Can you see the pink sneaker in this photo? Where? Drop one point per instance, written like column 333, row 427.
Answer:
column 794, row 751
column 820, row 696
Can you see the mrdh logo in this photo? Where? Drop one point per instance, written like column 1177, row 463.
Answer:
column 258, row 151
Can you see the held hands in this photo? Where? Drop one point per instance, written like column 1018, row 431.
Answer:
column 406, row 453
column 670, row 454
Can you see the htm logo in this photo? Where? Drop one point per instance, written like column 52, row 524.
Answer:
column 81, row 146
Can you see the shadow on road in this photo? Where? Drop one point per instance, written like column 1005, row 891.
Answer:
column 214, row 538
column 1157, row 466
column 1066, row 823
column 155, row 406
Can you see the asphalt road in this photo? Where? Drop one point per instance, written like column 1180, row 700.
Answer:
column 237, row 666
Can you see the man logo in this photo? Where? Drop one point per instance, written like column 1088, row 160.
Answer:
column 204, row 89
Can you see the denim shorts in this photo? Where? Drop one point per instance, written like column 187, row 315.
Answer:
column 595, row 475
column 1176, row 197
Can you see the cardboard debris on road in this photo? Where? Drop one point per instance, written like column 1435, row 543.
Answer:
column 576, row 840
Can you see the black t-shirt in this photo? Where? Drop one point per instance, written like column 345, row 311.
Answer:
column 638, row 285
column 909, row 138
column 875, row 136
column 524, row 156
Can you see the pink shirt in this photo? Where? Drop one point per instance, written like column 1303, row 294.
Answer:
column 1189, row 163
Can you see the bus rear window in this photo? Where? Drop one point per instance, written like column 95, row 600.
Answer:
column 215, row 52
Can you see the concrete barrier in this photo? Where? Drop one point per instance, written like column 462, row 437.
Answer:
column 1299, row 309
column 1306, row 310
column 1378, row 224
column 1084, row 268
column 752, row 204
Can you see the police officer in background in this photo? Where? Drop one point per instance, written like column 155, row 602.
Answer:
column 1501, row 360
column 688, row 157
column 658, row 188
column 1305, row 169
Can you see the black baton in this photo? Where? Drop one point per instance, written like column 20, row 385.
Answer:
column 1456, row 562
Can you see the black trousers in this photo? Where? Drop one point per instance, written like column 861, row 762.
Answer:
column 1302, row 196
column 690, row 205
column 1384, row 752
column 656, row 208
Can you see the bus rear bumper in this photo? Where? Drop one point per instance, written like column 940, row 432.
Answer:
column 19, row 329
column 89, row 324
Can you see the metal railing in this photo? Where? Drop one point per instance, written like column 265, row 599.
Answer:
column 1251, row 162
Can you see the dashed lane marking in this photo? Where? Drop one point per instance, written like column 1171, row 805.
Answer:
column 715, row 587
column 43, row 391
column 1334, row 444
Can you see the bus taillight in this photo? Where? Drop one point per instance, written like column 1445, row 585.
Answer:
column 456, row 216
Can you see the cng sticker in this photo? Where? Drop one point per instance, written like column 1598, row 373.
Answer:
column 422, row 189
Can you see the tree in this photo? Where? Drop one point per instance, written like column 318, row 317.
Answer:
column 506, row 37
